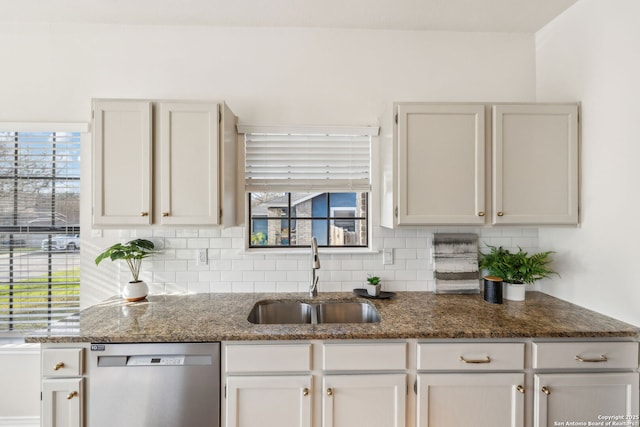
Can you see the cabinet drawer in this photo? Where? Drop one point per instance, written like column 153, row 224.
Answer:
column 471, row 356
column 62, row 362
column 268, row 358
column 364, row 357
column 585, row 355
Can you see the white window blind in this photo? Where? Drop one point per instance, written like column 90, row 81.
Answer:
column 39, row 228
column 307, row 162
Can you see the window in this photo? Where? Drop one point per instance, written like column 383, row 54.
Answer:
column 291, row 219
column 39, row 228
column 308, row 184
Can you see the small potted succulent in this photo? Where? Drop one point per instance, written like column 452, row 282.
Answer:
column 373, row 285
column 132, row 253
column 516, row 269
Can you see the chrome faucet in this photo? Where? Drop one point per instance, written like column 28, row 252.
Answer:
column 315, row 265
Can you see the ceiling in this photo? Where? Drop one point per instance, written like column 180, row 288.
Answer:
column 436, row 15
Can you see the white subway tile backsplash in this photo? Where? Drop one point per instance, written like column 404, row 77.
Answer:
column 231, row 269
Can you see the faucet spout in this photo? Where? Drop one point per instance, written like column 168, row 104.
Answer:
column 315, row 265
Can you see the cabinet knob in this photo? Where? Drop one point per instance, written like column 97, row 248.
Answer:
column 520, row 389
column 329, row 391
column 480, row 213
column 144, row 213
column 545, row 390
column 58, row 366
column 165, row 214
column 500, row 213
column 305, row 391
column 72, row 395
column 487, row 359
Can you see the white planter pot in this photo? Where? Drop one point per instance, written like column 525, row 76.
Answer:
column 373, row 290
column 135, row 291
column 514, row 291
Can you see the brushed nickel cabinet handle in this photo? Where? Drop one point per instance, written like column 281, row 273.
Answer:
column 545, row 390
column 602, row 358
column 487, row 359
column 72, row 395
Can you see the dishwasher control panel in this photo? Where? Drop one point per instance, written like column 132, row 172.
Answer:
column 155, row 360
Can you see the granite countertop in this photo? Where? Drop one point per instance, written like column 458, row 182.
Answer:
column 219, row 317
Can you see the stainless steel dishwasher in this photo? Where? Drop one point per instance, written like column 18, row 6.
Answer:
column 154, row 385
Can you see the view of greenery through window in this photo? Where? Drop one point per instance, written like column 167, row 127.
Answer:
column 292, row 219
column 39, row 228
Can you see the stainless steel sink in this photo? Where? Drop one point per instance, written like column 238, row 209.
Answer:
column 297, row 312
column 347, row 312
column 280, row 312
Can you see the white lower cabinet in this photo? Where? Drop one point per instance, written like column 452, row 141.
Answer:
column 469, row 383
column 283, row 401
column 480, row 400
column 376, row 400
column 315, row 384
column 63, row 391
column 586, row 399
column 585, row 382
column 62, row 402
column 458, row 383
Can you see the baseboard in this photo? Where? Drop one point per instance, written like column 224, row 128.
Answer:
column 20, row 421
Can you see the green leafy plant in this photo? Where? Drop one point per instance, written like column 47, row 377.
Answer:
column 132, row 253
column 519, row 267
column 373, row 280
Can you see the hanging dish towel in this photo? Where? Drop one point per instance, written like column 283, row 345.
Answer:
column 455, row 258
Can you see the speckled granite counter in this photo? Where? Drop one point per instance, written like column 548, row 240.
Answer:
column 219, row 317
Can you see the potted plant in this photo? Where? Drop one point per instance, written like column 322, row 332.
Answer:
column 373, row 285
column 132, row 253
column 516, row 269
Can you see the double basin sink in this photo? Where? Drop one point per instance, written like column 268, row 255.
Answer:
column 298, row 312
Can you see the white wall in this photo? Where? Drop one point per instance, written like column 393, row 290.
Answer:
column 19, row 384
column 277, row 76
column 590, row 53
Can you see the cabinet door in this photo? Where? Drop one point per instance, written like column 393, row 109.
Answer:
column 268, row 401
column 62, row 402
column 441, row 164
column 122, row 162
column 189, row 163
column 364, row 400
column 535, row 161
column 461, row 400
column 584, row 398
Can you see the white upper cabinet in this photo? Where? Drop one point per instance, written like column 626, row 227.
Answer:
column 167, row 163
column 442, row 168
column 122, row 162
column 441, row 164
column 535, row 164
column 189, row 163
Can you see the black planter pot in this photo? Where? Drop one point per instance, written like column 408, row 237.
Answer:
column 493, row 289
